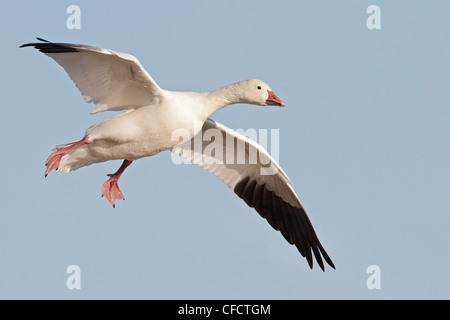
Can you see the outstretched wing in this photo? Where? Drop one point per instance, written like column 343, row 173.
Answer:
column 259, row 181
column 110, row 79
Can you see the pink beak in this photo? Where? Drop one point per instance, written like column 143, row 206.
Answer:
column 273, row 100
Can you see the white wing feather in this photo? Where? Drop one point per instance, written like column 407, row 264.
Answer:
column 270, row 194
column 232, row 172
column 112, row 80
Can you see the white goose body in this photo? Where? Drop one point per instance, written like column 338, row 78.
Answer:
column 117, row 81
column 146, row 131
column 138, row 133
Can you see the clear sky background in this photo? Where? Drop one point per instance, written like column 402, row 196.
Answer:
column 364, row 138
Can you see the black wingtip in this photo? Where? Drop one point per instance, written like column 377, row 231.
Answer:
column 40, row 39
column 309, row 258
column 325, row 256
column 46, row 46
column 292, row 222
column 33, row 44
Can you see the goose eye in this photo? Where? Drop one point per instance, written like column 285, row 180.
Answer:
column 258, row 87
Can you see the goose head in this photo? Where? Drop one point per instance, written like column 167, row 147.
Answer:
column 258, row 92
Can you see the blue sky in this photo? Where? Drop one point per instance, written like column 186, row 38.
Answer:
column 364, row 138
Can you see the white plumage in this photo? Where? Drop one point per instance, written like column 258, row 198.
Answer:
column 116, row 81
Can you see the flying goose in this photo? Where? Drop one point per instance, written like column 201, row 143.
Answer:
column 116, row 81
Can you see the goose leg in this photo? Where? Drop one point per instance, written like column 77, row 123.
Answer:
column 110, row 189
column 54, row 159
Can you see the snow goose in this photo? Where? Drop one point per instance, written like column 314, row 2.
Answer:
column 117, row 81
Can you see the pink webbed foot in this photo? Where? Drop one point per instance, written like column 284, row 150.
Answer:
column 55, row 158
column 110, row 189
